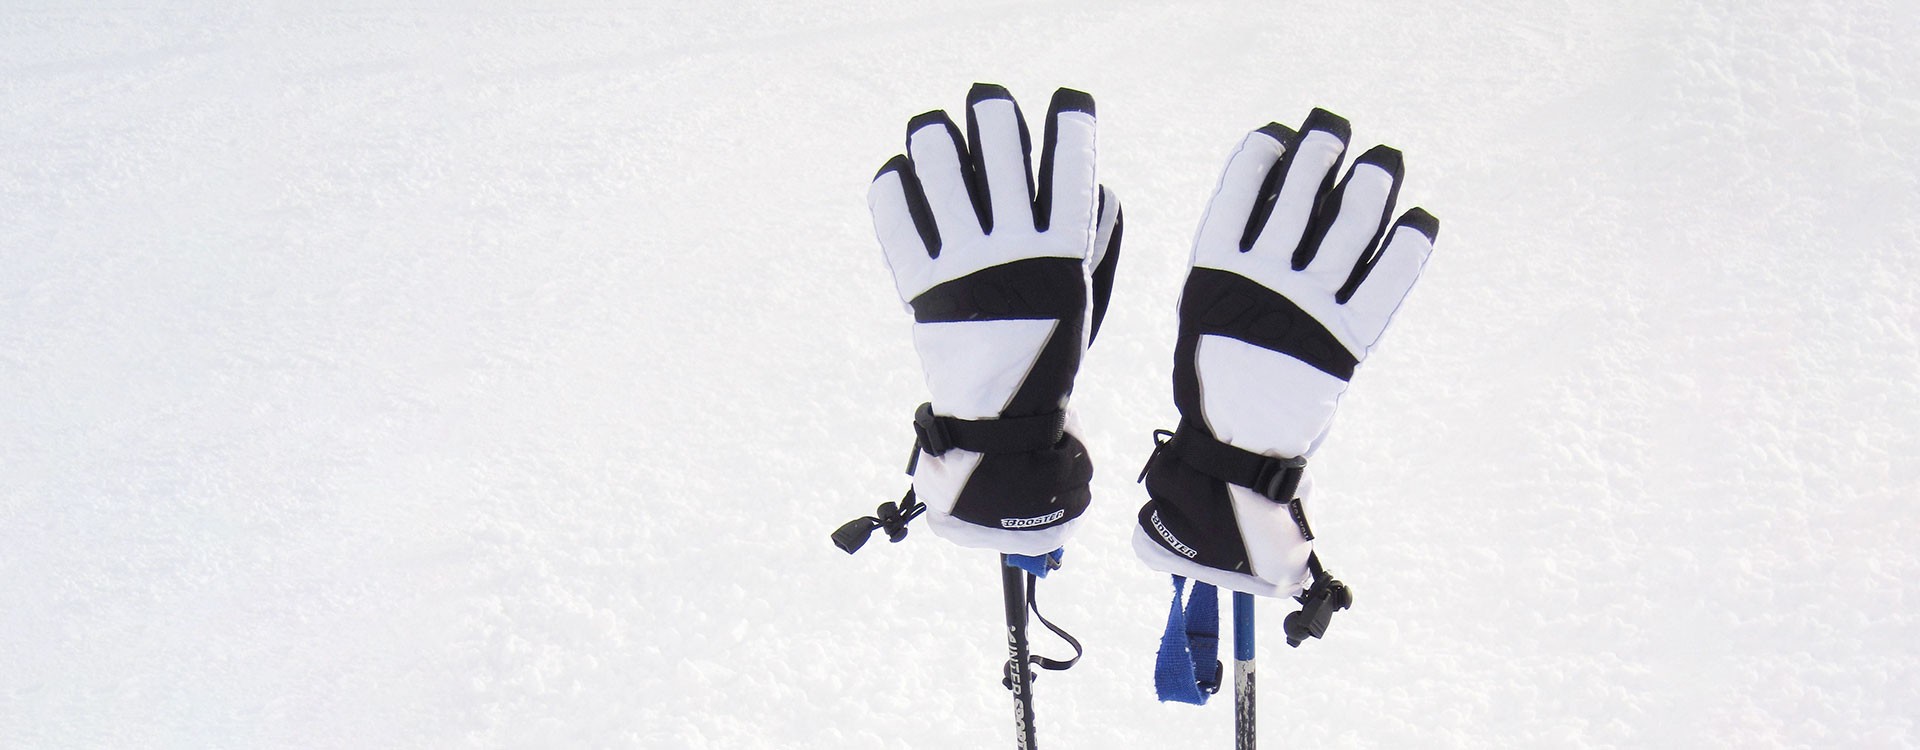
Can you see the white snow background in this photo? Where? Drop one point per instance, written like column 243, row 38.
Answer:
column 490, row 375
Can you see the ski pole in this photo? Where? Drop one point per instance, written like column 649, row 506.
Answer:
column 1243, row 734
column 1019, row 672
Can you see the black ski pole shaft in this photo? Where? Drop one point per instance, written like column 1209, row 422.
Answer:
column 1013, row 584
column 1242, row 671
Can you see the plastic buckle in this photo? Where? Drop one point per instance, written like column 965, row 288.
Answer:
column 930, row 431
column 1279, row 478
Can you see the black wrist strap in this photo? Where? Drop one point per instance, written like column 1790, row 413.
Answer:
column 1276, row 478
column 937, row 434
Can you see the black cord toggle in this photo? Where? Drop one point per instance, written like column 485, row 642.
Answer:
column 1325, row 597
column 889, row 516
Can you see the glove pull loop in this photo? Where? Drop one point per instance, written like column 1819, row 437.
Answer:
column 1041, row 661
column 1036, row 568
column 1160, row 440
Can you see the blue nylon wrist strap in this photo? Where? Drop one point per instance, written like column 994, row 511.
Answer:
column 1187, row 669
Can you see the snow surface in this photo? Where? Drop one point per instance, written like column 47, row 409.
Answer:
column 489, row 374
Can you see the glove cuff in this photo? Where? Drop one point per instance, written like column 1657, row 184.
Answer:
column 1152, row 552
column 1022, row 503
column 1223, row 515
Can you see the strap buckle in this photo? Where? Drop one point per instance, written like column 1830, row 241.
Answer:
column 930, row 431
column 1276, row 479
column 938, row 434
column 1279, row 478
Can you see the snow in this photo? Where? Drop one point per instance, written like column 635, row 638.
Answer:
column 490, row 374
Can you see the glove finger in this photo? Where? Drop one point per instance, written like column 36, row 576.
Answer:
column 940, row 161
column 1352, row 220
column 902, row 221
column 1067, row 181
column 1001, row 150
column 1106, row 256
column 1379, row 286
column 1236, row 197
column 1305, row 175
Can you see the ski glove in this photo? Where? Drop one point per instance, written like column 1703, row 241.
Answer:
column 1007, row 279
column 1292, row 281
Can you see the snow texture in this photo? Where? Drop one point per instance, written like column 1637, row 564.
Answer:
column 490, row 374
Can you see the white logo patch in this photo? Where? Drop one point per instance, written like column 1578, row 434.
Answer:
column 1022, row 523
column 1169, row 538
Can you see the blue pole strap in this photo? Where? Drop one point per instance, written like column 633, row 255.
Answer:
column 1188, row 668
column 1038, row 565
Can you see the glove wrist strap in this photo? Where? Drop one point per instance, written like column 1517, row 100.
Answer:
column 938, row 434
column 1276, row 478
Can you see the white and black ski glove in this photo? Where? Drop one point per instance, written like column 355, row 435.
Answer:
column 1007, row 279
column 1292, row 280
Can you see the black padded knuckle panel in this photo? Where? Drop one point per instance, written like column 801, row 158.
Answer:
column 1239, row 308
column 1031, row 289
